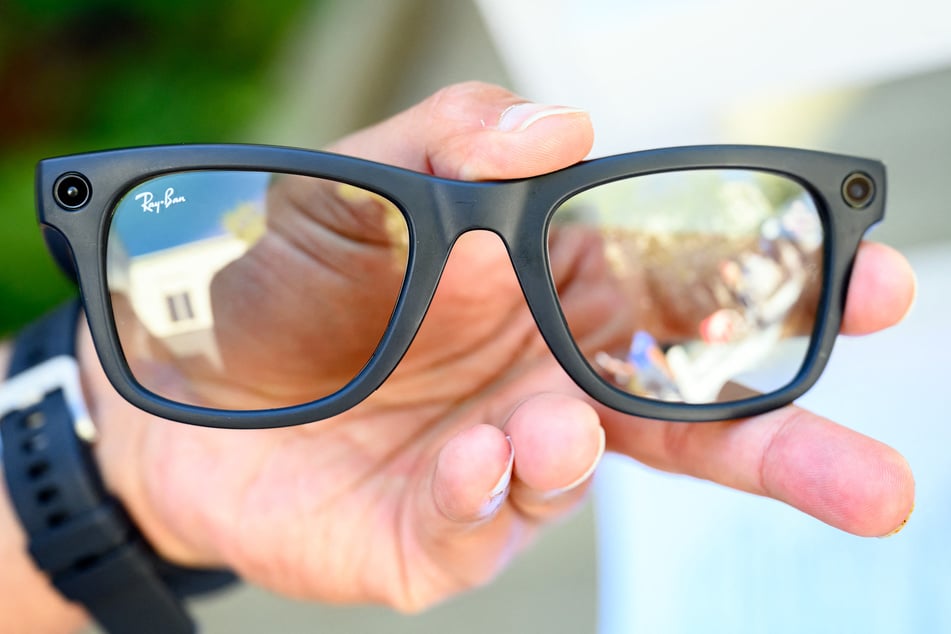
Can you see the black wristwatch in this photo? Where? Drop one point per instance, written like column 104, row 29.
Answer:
column 78, row 533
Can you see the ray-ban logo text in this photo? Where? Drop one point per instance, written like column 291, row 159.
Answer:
column 151, row 205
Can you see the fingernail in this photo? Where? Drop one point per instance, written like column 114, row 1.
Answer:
column 900, row 526
column 520, row 116
column 500, row 491
column 547, row 495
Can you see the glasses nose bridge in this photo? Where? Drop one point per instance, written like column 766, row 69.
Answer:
column 497, row 206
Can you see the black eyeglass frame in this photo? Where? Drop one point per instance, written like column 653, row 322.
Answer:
column 437, row 212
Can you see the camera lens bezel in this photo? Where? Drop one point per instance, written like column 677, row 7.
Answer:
column 72, row 191
column 862, row 198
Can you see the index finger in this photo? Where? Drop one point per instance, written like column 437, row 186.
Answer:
column 841, row 477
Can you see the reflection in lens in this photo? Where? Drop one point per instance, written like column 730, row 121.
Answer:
column 693, row 286
column 249, row 290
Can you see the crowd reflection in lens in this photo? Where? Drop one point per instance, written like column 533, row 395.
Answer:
column 731, row 259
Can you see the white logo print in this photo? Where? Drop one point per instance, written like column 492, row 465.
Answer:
column 150, row 205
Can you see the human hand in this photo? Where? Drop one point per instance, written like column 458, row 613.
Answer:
column 478, row 438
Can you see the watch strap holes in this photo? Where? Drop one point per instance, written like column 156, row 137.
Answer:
column 34, row 420
column 35, row 444
column 38, row 469
column 46, row 495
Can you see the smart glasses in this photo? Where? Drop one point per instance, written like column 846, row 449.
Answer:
column 689, row 284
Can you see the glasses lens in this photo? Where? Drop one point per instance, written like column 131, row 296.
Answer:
column 252, row 290
column 696, row 286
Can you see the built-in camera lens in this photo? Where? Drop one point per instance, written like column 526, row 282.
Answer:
column 858, row 190
column 72, row 191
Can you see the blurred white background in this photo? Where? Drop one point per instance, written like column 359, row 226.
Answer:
column 666, row 72
column 868, row 78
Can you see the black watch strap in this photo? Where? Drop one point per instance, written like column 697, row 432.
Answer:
column 78, row 533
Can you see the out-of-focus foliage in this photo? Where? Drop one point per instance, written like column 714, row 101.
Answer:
column 80, row 75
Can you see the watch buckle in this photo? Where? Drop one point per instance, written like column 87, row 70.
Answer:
column 29, row 387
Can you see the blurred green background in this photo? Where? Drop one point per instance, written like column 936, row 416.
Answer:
column 84, row 75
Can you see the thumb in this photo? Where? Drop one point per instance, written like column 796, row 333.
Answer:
column 457, row 528
column 476, row 131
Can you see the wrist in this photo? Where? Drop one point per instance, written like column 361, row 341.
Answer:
column 74, row 526
column 123, row 436
column 28, row 602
